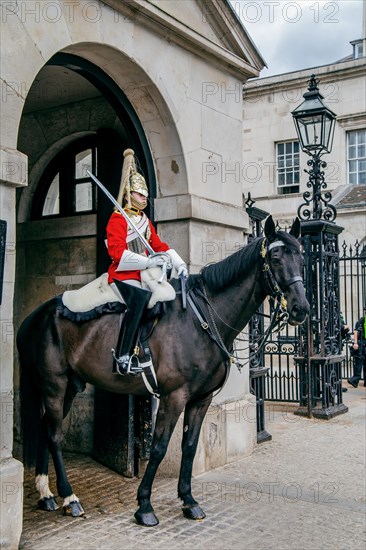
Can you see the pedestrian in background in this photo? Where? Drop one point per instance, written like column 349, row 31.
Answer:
column 358, row 352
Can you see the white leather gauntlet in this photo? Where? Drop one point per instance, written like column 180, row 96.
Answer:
column 178, row 264
column 130, row 261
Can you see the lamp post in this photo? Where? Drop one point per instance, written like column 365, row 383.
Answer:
column 258, row 370
column 315, row 124
column 319, row 356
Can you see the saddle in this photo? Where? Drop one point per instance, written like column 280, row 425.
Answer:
column 98, row 298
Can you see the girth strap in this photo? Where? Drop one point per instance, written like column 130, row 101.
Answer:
column 143, row 365
column 148, row 371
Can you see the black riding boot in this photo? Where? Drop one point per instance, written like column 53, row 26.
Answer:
column 136, row 300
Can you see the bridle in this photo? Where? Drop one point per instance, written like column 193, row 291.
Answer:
column 273, row 288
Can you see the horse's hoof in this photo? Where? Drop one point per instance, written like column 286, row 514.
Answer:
column 193, row 512
column 48, row 504
column 73, row 509
column 147, row 519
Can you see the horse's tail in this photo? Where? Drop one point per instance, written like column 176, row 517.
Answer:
column 31, row 406
column 30, row 415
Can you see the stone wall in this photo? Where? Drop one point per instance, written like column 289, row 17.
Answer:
column 164, row 66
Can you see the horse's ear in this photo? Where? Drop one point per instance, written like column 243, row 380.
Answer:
column 296, row 228
column 270, row 229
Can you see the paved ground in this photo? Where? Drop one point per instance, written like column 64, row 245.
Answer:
column 305, row 489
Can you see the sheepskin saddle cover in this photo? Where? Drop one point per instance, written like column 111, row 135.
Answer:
column 98, row 292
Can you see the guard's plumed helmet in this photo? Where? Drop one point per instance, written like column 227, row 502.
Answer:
column 131, row 180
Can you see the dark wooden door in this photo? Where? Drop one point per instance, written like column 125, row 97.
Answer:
column 122, row 423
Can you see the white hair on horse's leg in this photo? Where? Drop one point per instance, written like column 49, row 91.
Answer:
column 71, row 498
column 42, row 486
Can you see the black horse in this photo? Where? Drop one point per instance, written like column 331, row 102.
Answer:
column 57, row 356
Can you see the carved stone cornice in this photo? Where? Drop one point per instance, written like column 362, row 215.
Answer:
column 354, row 120
column 295, row 80
column 237, row 54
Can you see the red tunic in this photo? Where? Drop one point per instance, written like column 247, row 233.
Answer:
column 116, row 241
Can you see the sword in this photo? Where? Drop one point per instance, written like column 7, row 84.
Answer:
column 120, row 209
column 184, row 290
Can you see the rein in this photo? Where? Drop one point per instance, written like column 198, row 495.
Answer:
column 211, row 329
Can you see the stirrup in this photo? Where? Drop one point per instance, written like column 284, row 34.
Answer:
column 126, row 364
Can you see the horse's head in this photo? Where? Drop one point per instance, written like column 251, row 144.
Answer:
column 285, row 262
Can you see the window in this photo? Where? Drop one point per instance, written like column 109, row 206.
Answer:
column 356, row 148
column 358, row 51
column 83, row 200
column 51, row 205
column 288, row 167
column 65, row 188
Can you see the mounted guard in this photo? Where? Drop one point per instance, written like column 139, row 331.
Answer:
column 140, row 261
column 59, row 356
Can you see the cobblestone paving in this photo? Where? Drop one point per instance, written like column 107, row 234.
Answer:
column 305, row 489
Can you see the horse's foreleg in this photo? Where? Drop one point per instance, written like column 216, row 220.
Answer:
column 194, row 414
column 169, row 410
column 47, row 500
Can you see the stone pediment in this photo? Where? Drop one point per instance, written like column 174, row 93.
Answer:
column 209, row 28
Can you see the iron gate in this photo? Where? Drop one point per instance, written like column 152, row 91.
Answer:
column 282, row 378
column 352, row 264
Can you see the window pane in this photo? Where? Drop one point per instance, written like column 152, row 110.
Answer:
column 83, row 197
column 351, row 138
column 288, row 148
column 352, row 152
column 296, row 146
column 280, row 148
column 361, row 150
column 361, row 135
column 52, row 202
column 353, row 165
column 353, row 178
column 83, row 162
column 362, row 178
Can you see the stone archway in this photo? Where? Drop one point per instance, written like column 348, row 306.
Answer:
column 51, row 122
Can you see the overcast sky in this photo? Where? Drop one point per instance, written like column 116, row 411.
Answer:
column 302, row 34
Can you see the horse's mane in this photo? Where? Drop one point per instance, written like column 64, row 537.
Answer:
column 226, row 272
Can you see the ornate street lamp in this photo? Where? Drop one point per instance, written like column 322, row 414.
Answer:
column 315, row 124
column 319, row 357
